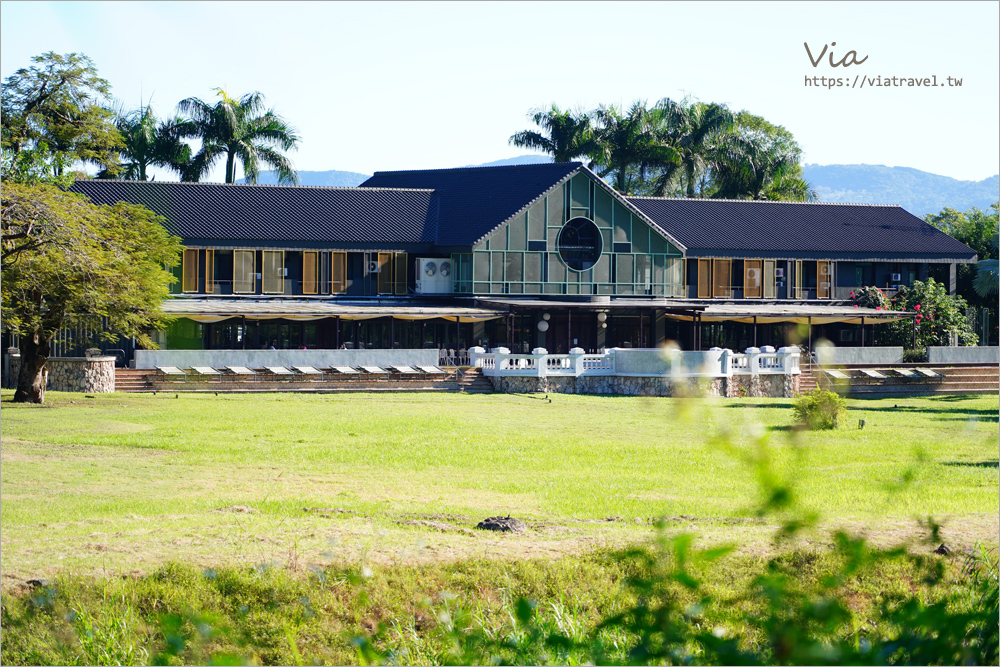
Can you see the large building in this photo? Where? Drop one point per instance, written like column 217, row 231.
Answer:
column 524, row 256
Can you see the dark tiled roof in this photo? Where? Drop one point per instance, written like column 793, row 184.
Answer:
column 756, row 228
column 280, row 214
column 475, row 201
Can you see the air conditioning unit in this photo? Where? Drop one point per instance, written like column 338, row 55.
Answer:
column 374, row 266
column 896, row 278
column 434, row 276
column 779, row 274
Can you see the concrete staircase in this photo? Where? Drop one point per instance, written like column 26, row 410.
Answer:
column 470, row 381
column 958, row 379
column 474, row 382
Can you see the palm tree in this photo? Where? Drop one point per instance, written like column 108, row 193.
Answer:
column 693, row 129
column 629, row 144
column 150, row 143
column 568, row 134
column 240, row 130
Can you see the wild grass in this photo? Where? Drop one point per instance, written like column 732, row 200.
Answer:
column 122, row 482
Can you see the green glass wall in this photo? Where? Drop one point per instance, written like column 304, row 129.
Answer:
column 523, row 257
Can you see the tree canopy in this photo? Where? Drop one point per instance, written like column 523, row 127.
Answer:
column 687, row 149
column 57, row 107
column 149, row 142
column 66, row 261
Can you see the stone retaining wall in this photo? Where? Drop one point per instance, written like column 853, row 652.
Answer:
column 89, row 375
column 755, row 386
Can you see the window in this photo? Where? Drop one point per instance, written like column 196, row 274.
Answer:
column 310, row 262
column 399, row 273
column 823, row 275
column 580, row 244
column 338, row 272
column 753, row 279
column 244, row 280
column 273, row 272
column 722, row 270
column 797, row 290
column 769, row 279
column 190, row 275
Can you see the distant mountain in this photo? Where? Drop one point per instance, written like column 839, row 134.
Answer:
column 520, row 159
column 329, row 179
column 919, row 192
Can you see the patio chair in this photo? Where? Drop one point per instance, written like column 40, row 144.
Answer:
column 206, row 371
column 374, row 370
column 930, row 373
column 171, row 370
column 240, row 370
column 279, row 370
column 346, row 370
column 308, row 370
column 405, row 370
column 432, row 370
column 907, row 373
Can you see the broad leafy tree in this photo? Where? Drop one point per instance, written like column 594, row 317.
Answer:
column 58, row 107
column 759, row 160
column 240, row 130
column 565, row 135
column 977, row 229
column 67, row 262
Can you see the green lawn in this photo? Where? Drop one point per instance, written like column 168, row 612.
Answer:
column 123, row 482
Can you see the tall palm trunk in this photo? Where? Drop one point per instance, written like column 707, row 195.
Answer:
column 230, row 167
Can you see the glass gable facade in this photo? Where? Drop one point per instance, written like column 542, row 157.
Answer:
column 553, row 249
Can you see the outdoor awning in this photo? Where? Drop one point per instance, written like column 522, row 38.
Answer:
column 216, row 310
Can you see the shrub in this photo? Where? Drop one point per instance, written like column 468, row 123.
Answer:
column 819, row 409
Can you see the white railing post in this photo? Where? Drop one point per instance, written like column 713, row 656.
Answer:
column 576, row 360
column 475, row 356
column 540, row 354
column 753, row 359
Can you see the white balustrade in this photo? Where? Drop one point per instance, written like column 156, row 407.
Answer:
column 716, row 362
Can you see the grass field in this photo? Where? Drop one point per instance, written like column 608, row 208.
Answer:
column 123, row 483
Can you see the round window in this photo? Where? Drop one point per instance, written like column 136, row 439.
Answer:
column 580, row 244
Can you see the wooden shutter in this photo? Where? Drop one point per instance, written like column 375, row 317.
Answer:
column 722, row 271
column 753, row 278
column 823, row 279
column 797, row 293
column 399, row 272
column 272, row 272
column 769, row 282
column 244, row 280
column 385, row 273
column 209, row 271
column 338, row 272
column 190, row 273
column 704, row 279
column 309, row 272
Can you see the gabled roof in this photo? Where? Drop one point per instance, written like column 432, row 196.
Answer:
column 276, row 213
column 477, row 200
column 719, row 227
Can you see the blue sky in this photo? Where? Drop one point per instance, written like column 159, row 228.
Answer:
column 382, row 86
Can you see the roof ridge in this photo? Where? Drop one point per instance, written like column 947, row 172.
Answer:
column 492, row 166
column 251, row 185
column 764, row 201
